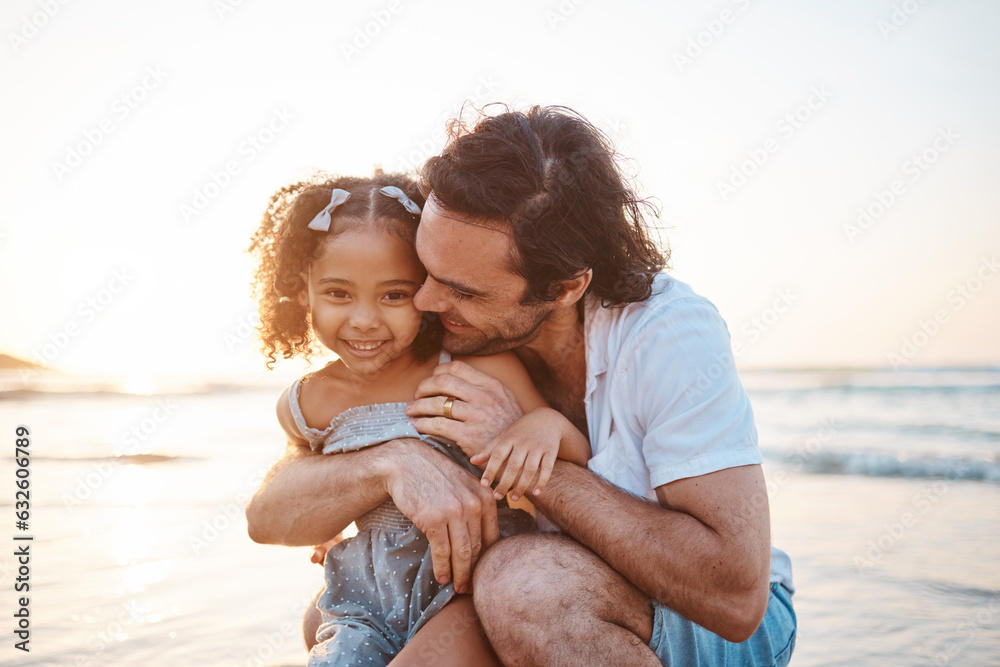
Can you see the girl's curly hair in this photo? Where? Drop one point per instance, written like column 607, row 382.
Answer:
column 284, row 247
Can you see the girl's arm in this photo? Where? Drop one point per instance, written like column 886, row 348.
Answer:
column 287, row 422
column 295, row 439
column 308, row 498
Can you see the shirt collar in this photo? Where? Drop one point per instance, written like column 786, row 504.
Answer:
column 595, row 316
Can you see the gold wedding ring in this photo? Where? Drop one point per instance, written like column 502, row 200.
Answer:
column 448, row 402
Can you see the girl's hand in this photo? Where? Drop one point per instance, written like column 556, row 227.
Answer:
column 524, row 454
column 319, row 551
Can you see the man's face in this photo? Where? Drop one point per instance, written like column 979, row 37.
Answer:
column 469, row 284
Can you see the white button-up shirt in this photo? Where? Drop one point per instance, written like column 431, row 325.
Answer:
column 663, row 398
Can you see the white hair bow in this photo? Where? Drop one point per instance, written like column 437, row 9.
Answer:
column 400, row 196
column 321, row 223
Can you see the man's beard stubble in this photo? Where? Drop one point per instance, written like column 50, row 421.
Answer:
column 515, row 336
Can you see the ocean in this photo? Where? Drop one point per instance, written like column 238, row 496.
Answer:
column 884, row 490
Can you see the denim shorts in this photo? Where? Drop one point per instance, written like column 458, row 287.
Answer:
column 678, row 641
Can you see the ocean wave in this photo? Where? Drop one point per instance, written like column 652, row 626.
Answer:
column 874, row 464
column 21, row 385
column 903, row 430
column 83, row 389
column 124, row 459
column 887, row 390
column 950, row 589
column 945, row 379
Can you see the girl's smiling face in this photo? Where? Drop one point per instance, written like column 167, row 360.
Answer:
column 360, row 298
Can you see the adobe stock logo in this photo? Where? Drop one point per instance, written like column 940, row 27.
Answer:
column 958, row 297
column 892, row 533
column 565, row 9
column 914, row 168
column 900, row 16
column 121, row 109
column 713, row 29
column 363, row 36
column 786, row 127
column 220, row 179
column 31, row 25
column 87, row 311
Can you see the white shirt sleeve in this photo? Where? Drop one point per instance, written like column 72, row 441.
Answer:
column 691, row 410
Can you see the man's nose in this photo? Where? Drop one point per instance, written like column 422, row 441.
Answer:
column 428, row 297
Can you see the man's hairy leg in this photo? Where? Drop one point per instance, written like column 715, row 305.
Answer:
column 547, row 600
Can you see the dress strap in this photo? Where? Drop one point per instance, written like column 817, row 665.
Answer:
column 293, row 403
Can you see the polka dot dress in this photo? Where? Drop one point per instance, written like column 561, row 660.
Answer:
column 380, row 586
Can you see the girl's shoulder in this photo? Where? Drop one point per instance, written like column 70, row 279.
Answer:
column 287, row 419
column 306, row 408
column 331, row 390
column 504, row 363
column 508, row 369
column 321, row 395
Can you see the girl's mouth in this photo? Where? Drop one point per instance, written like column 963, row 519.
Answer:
column 365, row 348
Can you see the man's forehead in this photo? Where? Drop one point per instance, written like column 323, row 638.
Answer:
column 459, row 248
column 440, row 212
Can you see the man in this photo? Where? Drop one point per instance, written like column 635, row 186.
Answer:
column 533, row 243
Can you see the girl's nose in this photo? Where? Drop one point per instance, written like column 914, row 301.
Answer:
column 363, row 317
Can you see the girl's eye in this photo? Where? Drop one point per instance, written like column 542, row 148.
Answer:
column 396, row 297
column 461, row 296
column 337, row 293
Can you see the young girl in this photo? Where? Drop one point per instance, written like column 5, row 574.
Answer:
column 337, row 265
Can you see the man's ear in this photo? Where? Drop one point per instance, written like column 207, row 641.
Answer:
column 574, row 288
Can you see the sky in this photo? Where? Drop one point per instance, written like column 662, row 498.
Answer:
column 826, row 171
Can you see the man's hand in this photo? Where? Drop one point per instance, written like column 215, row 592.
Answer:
column 451, row 507
column 482, row 409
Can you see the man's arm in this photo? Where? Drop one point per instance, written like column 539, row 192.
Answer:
column 307, row 498
column 704, row 550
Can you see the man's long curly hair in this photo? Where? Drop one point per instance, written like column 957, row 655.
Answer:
column 552, row 180
column 284, row 247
